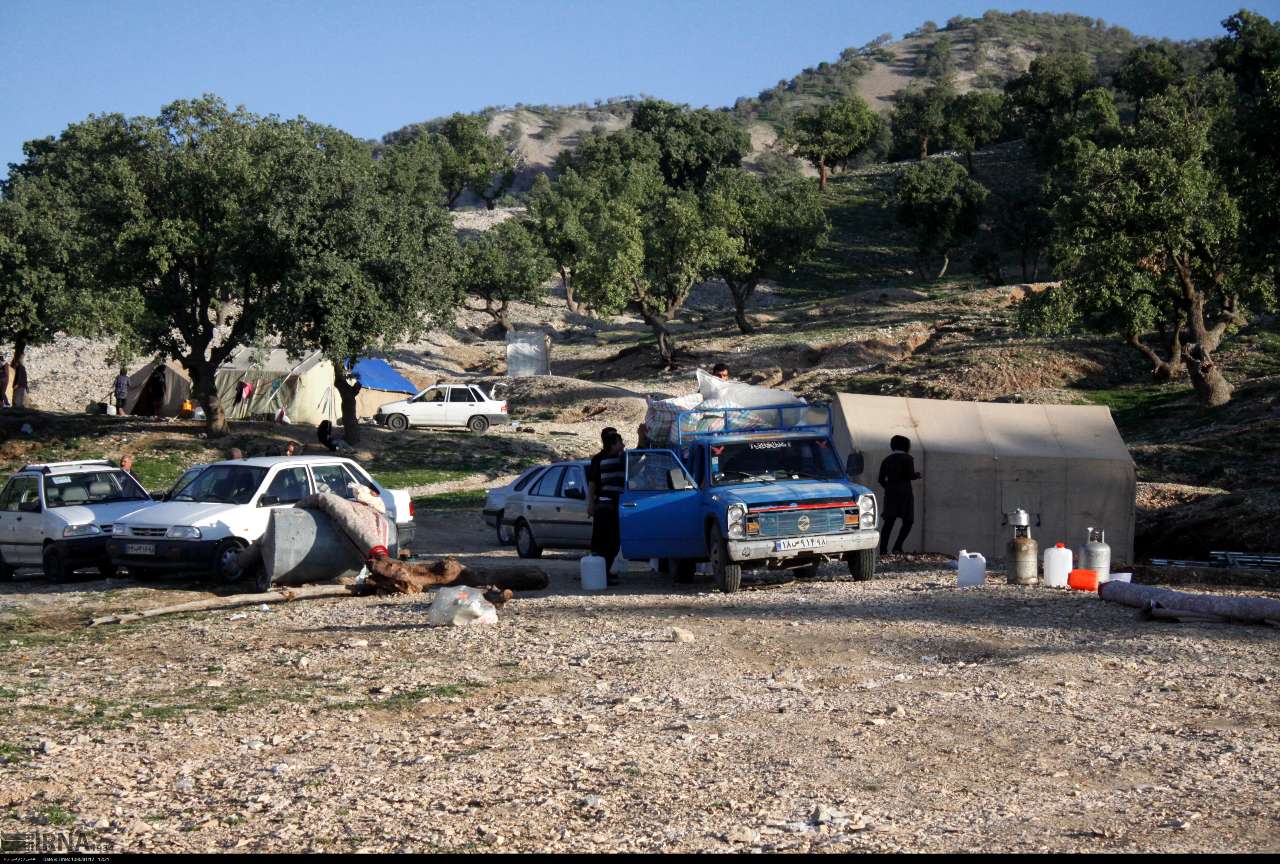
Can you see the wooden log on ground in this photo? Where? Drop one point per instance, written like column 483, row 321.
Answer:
column 307, row 592
column 399, row 577
column 1181, row 604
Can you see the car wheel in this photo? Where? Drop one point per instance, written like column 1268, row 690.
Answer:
column 526, row 546
column 226, row 560
column 728, row 575
column 478, row 424
column 6, row 572
column 56, row 568
column 862, row 564
column 682, row 570
column 505, row 537
column 398, row 422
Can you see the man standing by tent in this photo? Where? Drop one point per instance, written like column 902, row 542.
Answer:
column 121, row 390
column 896, row 473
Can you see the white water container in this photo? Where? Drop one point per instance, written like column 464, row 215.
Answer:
column 592, row 570
column 1057, row 564
column 972, row 567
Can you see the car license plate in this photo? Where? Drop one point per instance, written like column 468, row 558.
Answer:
column 797, row 543
column 140, row 549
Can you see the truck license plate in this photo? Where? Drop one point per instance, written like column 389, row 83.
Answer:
column 797, row 543
column 140, row 549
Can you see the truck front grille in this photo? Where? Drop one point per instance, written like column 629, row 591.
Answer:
column 787, row 523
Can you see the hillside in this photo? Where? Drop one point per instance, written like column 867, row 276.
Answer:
column 979, row 52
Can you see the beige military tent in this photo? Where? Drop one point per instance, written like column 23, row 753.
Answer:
column 158, row 390
column 1064, row 464
column 273, row 379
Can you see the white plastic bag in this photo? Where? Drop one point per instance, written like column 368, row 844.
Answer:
column 735, row 394
column 459, row 606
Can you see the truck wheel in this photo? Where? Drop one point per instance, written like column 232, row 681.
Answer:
column 682, row 570
column 526, row 546
column 226, row 561
column 56, row 568
column 728, row 575
column 6, row 572
column 478, row 424
column 862, row 564
column 398, row 422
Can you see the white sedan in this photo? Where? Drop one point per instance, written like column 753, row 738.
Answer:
column 445, row 405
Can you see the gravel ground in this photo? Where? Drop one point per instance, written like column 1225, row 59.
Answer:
column 899, row 714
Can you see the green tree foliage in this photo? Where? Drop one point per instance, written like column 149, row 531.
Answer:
column 941, row 204
column 1148, row 236
column 503, row 264
column 46, row 284
column 919, row 119
column 974, row 120
column 1045, row 100
column 691, row 143
column 1148, row 71
column 937, row 61
column 777, row 220
column 189, row 213
column 369, row 265
column 557, row 216
column 832, row 134
column 1025, row 226
column 1250, row 55
column 471, row 160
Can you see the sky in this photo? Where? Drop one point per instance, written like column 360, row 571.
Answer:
column 373, row 66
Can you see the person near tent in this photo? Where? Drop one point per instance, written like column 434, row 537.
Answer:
column 20, row 384
column 605, row 478
column 121, row 389
column 896, row 473
column 4, row 383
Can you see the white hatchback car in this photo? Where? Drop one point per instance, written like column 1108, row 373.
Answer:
column 227, row 506
column 445, row 405
column 58, row 516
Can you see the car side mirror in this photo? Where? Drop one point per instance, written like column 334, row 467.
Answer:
column 853, row 467
column 677, row 481
column 577, row 493
column 268, row 500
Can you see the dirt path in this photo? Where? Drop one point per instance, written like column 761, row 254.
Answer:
column 900, row 714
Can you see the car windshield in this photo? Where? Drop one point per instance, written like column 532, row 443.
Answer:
column 93, row 487
column 187, row 476
column 780, row 459
column 224, row 484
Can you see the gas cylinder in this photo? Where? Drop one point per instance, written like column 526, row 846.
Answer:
column 1022, row 552
column 1096, row 554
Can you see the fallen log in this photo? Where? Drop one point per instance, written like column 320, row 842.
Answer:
column 308, row 592
column 399, row 577
column 1162, row 603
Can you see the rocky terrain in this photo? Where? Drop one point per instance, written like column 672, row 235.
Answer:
column 902, row 714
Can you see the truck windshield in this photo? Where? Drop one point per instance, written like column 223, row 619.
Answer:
column 780, row 459
column 224, row 484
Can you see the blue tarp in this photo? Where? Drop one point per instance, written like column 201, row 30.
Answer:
column 378, row 375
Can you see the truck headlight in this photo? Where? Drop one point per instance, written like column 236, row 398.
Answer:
column 183, row 532
column 118, row 530
column 81, row 531
column 867, row 511
column 736, row 516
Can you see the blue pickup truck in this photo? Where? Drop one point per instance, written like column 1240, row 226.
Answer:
column 747, row 489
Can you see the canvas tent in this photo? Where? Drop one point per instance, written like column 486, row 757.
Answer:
column 1064, row 464
column 170, row 388
column 379, row 384
column 303, row 387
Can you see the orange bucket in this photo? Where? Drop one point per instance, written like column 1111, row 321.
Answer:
column 1082, row 580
